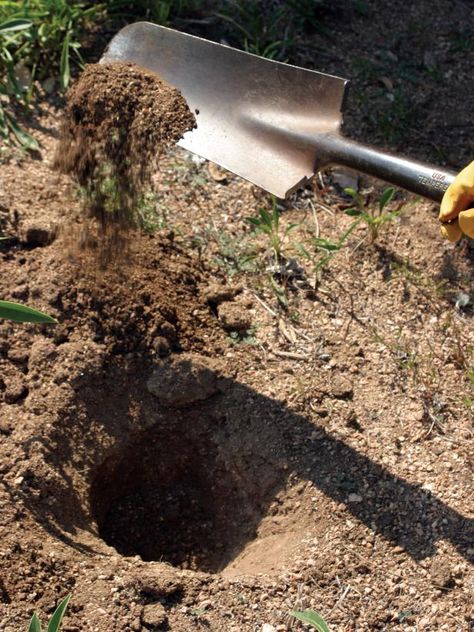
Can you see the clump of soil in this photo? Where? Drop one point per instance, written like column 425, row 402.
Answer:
column 119, row 118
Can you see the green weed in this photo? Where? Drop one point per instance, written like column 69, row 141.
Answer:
column 373, row 217
column 274, row 29
column 259, row 30
column 55, row 622
column 244, row 337
column 324, row 249
column 312, row 618
column 11, row 31
column 23, row 314
column 394, row 118
column 268, row 223
column 38, row 39
column 163, row 12
column 233, row 253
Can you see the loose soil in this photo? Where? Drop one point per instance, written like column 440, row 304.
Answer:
column 117, row 122
column 182, row 453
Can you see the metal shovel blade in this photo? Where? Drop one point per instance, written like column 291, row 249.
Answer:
column 246, row 106
column 271, row 123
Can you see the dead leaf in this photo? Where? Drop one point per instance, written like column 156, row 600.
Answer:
column 287, row 331
column 217, row 174
column 388, row 83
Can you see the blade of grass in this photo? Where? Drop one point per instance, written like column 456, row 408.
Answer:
column 35, row 624
column 23, row 314
column 58, row 615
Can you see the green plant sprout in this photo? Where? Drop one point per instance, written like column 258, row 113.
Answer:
column 312, row 618
column 373, row 217
column 55, row 622
column 269, row 224
column 259, row 28
column 10, row 34
column 38, row 40
column 327, row 247
column 23, row 314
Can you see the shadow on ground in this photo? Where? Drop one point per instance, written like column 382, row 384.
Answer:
column 191, row 486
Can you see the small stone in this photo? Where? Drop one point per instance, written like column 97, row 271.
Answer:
column 234, row 318
column 37, row 233
column 217, row 174
column 154, row 616
column 354, row 498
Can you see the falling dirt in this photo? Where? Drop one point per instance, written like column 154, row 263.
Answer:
column 118, row 120
column 174, row 470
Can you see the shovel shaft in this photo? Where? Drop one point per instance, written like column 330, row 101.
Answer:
column 417, row 177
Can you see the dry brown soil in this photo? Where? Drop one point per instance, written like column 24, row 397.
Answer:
column 180, row 452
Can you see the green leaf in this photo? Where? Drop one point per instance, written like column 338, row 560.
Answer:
column 313, row 618
column 266, row 217
column 23, row 314
column 253, row 220
column 385, row 198
column 58, row 615
column 352, row 192
column 64, row 69
column 35, row 624
column 26, row 140
column 353, row 212
column 15, row 25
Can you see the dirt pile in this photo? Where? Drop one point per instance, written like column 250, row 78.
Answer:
column 119, row 118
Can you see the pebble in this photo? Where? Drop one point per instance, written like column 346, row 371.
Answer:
column 354, row 498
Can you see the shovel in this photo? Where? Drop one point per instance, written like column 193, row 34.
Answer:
column 271, row 123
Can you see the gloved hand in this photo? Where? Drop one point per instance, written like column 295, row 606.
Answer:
column 455, row 206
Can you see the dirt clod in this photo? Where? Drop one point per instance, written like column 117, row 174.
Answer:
column 36, row 233
column 234, row 318
column 441, row 576
column 183, row 381
column 216, row 294
column 154, row 616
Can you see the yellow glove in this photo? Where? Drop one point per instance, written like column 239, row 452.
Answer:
column 455, row 215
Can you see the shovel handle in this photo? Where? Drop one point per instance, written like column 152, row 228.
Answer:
column 412, row 175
